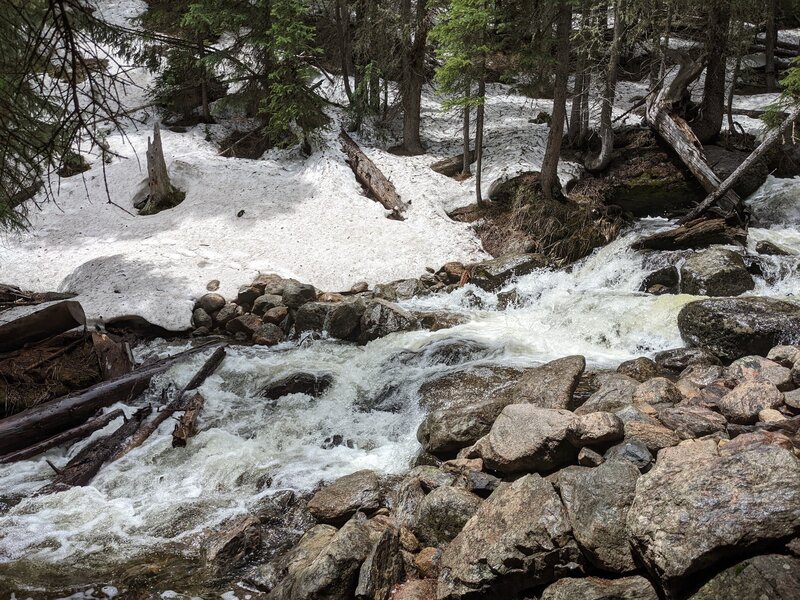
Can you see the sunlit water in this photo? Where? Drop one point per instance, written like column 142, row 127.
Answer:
column 160, row 499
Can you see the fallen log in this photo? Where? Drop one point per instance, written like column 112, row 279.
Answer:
column 40, row 422
column 50, row 321
column 696, row 234
column 724, row 187
column 176, row 405
column 187, row 426
column 76, row 433
column 452, row 166
column 371, row 177
column 85, row 465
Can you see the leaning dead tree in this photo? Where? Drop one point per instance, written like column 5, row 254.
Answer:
column 161, row 193
column 371, row 177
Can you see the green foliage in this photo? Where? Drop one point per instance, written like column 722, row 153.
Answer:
column 788, row 99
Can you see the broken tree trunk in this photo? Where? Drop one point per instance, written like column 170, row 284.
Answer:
column 187, row 426
column 75, row 433
column 41, row 325
column 40, row 422
column 371, row 177
column 772, row 137
column 696, row 234
column 176, row 405
column 162, row 194
column 454, row 165
column 114, row 358
column 85, row 465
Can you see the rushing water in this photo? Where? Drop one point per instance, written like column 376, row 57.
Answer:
column 161, row 500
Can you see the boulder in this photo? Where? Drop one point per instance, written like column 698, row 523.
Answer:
column 336, row 503
column 310, row 545
column 311, row 316
column 210, row 303
column 268, row 334
column 270, row 283
column 615, row 392
column 641, row 369
column 519, row 538
column 449, row 430
column 785, row 356
column 295, row 294
column 724, row 162
column 247, row 295
column 382, row 569
column 246, row 324
column 699, row 506
column 690, row 421
column 589, row 458
column 227, row 313
column 550, row 385
column 768, row 248
column 743, row 404
column 381, row 318
column 344, row 319
column 657, row 392
column 715, row 272
column 428, row 562
column 596, row 428
column 416, row 589
column 771, row 577
column 703, row 375
column 276, row 315
column 661, row 281
column 527, row 438
column 266, row 302
column 792, row 399
column 431, row 477
column 201, row 318
column 595, row 588
column 466, row 386
column 597, row 502
column 653, row 436
column 632, row 451
column 679, row 359
column 757, row 367
column 442, row 515
column 734, row 327
column 493, row 274
column 311, row 384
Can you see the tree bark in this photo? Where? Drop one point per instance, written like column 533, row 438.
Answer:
column 161, row 193
column 114, row 358
column 712, row 110
column 40, row 422
column 454, row 165
column 187, row 426
column 466, row 155
column 41, row 325
column 479, row 119
column 696, row 234
column 75, row 433
column 371, row 177
column 413, row 73
column 579, row 105
column 342, row 16
column 770, row 43
column 551, row 187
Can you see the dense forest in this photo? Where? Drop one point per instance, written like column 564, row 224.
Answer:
column 413, row 300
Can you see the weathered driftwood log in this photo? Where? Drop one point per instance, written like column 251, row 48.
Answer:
column 772, row 137
column 40, row 422
column 696, row 234
column 76, row 433
column 371, row 177
column 187, row 426
column 454, row 165
column 176, row 405
column 85, row 465
column 114, row 358
column 41, row 325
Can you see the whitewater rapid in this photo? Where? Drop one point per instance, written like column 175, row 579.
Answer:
column 160, row 499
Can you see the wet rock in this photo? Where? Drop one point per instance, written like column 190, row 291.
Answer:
column 311, row 316
column 432, row 477
column 632, row 451
column 757, row 367
column 615, row 392
column 679, row 359
column 227, row 313
column 509, row 299
column 493, row 274
column 337, row 502
column 772, row 576
column 232, row 543
column 692, row 421
column 201, row 318
column 715, row 272
column 527, row 438
column 654, row 437
column 270, row 283
column 405, row 501
column 453, row 271
column 702, row 376
column 724, row 162
column 519, row 538
column 201, row 332
column 449, row 430
column 596, row 428
column 641, row 369
column 589, row 458
column 295, row 294
column 657, row 392
column 276, row 315
column 359, row 287
column 382, row 318
column 734, row 327
column 266, row 302
column 785, row 356
column 662, row 281
column 438, row 320
column 597, row 502
column 769, row 249
column 594, row 588
column 467, row 386
column 698, row 506
column 442, row 514
column 405, row 289
column 247, row 324
column 551, row 385
column 268, row 334
column 382, row 569
column 313, row 542
column 311, row 384
column 247, row 295
column 743, row 404
column 210, row 303
column 428, row 562
column 344, row 319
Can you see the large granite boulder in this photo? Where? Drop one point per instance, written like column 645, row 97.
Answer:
column 448, row 430
column 767, row 577
column 595, row 588
column 519, row 538
column 442, row 515
column 715, row 272
column 337, row 502
column 743, row 404
column 550, row 385
column 702, row 504
column 734, row 327
column 615, row 392
column 381, row 318
column 495, row 273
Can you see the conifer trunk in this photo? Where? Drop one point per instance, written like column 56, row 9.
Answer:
column 771, row 40
column 413, row 74
column 712, row 110
column 465, row 170
column 479, row 118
